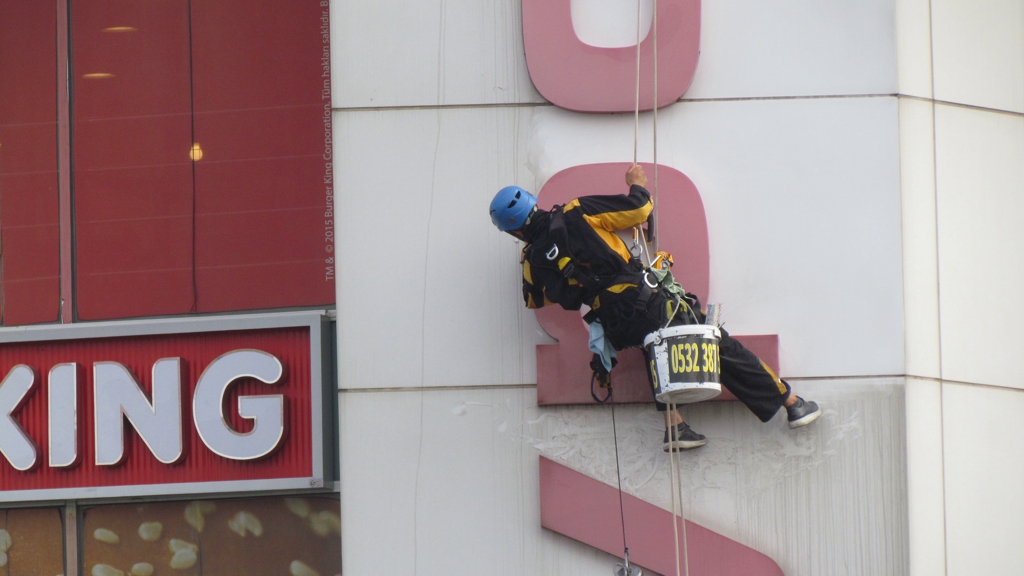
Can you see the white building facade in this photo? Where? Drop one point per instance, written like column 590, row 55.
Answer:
column 861, row 168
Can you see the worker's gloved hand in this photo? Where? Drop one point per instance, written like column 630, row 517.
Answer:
column 604, row 377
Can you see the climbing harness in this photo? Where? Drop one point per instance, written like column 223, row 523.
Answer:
column 560, row 254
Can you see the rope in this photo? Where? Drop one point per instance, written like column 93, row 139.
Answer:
column 682, row 519
column 636, row 112
column 654, row 25
column 618, row 474
column 638, row 233
column 673, row 482
column 675, row 464
column 675, row 473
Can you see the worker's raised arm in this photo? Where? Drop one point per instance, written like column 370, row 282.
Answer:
column 620, row 211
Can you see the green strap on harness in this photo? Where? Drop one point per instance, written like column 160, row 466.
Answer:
column 666, row 282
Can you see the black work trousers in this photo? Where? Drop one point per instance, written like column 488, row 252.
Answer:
column 743, row 374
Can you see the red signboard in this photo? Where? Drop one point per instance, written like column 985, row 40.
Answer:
column 201, row 351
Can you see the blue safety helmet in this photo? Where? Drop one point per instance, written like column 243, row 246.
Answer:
column 511, row 207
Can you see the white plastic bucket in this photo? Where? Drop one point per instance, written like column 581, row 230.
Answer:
column 684, row 363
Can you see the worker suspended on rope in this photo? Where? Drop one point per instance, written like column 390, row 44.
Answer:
column 573, row 257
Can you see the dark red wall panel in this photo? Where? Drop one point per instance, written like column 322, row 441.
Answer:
column 200, row 154
column 260, row 96
column 29, row 229
column 132, row 137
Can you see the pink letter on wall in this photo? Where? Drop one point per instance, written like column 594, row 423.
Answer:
column 587, row 510
column 586, row 78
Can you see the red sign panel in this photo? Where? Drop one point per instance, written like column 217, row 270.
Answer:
column 151, row 386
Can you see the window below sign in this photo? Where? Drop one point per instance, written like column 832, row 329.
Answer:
column 32, row 542
column 298, row 535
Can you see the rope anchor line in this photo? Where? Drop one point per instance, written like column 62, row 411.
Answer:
column 640, row 238
column 675, row 460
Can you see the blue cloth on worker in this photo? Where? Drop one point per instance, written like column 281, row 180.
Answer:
column 600, row 345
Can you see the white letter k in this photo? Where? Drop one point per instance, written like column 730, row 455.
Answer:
column 15, row 445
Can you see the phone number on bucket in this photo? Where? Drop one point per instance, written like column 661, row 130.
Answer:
column 688, row 357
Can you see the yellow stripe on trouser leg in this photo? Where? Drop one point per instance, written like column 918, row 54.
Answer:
column 778, row 382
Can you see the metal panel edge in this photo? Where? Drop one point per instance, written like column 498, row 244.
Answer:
column 183, row 489
column 124, row 328
column 329, row 368
column 316, row 403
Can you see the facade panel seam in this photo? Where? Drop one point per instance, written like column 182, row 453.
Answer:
column 962, row 105
column 938, row 286
column 438, row 388
column 549, row 104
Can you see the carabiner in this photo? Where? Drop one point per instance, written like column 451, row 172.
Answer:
column 636, row 250
column 648, row 282
column 553, row 253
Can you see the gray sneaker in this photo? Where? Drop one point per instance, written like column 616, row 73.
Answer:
column 683, row 438
column 803, row 412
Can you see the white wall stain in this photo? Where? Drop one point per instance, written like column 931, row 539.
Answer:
column 837, row 486
column 828, row 499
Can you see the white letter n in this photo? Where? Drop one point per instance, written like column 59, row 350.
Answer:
column 117, row 393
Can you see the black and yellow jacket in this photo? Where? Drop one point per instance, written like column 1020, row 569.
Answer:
column 574, row 257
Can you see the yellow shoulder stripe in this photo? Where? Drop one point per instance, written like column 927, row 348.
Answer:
column 613, row 221
column 619, row 288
